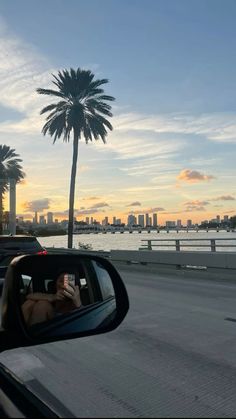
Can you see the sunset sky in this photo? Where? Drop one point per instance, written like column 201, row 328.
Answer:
column 171, row 66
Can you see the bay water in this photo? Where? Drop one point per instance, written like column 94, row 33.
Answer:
column 127, row 241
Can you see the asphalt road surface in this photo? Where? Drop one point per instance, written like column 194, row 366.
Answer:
column 173, row 356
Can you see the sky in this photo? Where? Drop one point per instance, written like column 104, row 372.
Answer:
column 171, row 66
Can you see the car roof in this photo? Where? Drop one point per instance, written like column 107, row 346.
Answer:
column 17, row 238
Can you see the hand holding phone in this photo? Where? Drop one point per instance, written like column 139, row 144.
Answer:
column 69, row 279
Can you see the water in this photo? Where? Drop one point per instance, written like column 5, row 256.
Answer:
column 127, row 241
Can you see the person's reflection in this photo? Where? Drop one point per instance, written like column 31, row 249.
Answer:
column 40, row 307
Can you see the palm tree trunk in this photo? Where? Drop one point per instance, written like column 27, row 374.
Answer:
column 72, row 189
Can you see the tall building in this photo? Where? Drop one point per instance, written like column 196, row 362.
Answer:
column 141, row 220
column 179, row 223
column 42, row 220
column 114, row 220
column 218, row 218
column 49, row 217
column 91, row 220
column 35, row 219
column 146, row 219
column 154, row 217
column 189, row 223
column 149, row 221
column 106, row 221
column 226, row 218
column 87, row 220
column 118, row 221
column 131, row 220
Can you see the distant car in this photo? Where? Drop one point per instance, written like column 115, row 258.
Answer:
column 11, row 246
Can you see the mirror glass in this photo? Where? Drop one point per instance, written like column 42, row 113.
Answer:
column 61, row 299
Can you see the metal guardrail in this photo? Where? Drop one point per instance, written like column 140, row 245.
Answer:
column 212, row 243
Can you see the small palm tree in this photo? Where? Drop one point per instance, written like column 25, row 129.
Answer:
column 10, row 168
column 80, row 111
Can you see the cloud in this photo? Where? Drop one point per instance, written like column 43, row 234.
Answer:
column 192, row 208
column 91, row 198
column 134, row 204
column 37, row 205
column 172, row 212
column 224, row 198
column 99, row 205
column 193, row 176
column 88, row 211
column 220, row 127
column 22, row 69
column 157, row 209
column 77, row 212
column 196, row 203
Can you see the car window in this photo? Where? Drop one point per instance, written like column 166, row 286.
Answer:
column 106, row 286
column 19, row 244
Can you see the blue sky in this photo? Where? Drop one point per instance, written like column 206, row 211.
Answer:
column 171, row 66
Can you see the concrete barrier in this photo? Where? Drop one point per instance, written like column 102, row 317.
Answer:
column 221, row 260
column 220, row 263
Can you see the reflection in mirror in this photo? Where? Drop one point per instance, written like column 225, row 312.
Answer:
column 83, row 294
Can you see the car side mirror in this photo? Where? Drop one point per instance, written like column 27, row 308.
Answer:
column 55, row 297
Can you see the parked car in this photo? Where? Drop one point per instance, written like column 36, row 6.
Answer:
column 19, row 245
column 11, row 246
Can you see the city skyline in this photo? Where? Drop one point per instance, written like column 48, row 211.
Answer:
column 172, row 150
column 141, row 219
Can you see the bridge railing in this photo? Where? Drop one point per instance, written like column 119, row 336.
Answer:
column 179, row 244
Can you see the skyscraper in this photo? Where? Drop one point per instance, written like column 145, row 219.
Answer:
column 49, row 217
column 141, row 220
column 114, row 220
column 146, row 219
column 179, row 223
column 131, row 220
column 154, row 217
column 42, row 220
column 35, row 219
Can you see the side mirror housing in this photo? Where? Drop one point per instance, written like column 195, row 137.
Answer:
column 47, row 298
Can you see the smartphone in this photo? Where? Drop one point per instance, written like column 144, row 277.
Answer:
column 69, row 279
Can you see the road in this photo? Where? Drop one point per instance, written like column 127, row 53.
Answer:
column 173, row 356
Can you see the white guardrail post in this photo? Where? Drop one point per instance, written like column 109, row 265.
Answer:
column 213, row 245
column 149, row 242
column 177, row 245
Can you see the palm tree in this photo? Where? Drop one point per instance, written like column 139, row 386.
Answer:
column 10, row 168
column 80, row 111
